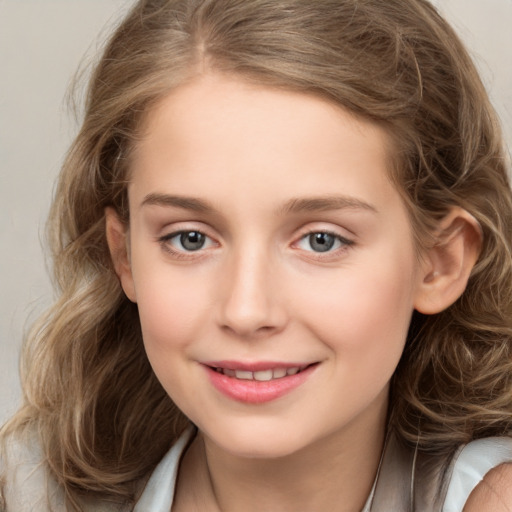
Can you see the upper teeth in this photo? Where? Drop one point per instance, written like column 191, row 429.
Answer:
column 261, row 375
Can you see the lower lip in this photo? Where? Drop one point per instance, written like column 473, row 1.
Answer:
column 254, row 391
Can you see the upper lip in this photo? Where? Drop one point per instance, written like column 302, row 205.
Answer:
column 255, row 366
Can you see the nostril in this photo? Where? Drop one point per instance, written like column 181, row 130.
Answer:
column 248, row 332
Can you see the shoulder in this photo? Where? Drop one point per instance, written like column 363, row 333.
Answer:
column 27, row 483
column 493, row 493
column 481, row 477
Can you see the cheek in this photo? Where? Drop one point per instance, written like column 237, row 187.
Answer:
column 171, row 318
column 170, row 309
column 363, row 313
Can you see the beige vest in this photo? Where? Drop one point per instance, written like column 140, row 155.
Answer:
column 410, row 481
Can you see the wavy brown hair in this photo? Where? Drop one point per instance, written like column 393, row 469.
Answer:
column 100, row 414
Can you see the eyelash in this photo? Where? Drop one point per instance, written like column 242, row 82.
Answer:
column 184, row 254
column 344, row 243
column 165, row 242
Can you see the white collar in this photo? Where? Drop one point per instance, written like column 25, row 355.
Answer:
column 158, row 494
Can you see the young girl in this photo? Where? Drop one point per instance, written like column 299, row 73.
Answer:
column 282, row 241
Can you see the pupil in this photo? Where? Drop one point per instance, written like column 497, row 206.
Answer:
column 192, row 240
column 321, row 242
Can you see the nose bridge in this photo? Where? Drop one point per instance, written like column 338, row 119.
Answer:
column 251, row 305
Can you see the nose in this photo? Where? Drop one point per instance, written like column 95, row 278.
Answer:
column 251, row 304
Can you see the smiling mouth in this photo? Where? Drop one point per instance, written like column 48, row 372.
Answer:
column 257, row 382
column 260, row 375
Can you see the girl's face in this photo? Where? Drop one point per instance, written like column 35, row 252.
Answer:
column 272, row 262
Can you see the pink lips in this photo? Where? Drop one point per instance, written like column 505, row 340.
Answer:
column 256, row 383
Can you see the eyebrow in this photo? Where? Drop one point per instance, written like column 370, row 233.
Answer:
column 187, row 203
column 320, row 204
column 293, row 206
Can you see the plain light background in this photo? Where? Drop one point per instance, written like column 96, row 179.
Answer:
column 42, row 43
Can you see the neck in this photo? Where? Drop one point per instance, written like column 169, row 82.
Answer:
column 334, row 473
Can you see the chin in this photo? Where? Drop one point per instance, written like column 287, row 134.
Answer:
column 262, row 450
column 259, row 441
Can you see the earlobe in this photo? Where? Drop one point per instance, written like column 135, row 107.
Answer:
column 117, row 239
column 447, row 265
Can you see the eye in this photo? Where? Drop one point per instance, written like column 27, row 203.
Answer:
column 322, row 241
column 187, row 241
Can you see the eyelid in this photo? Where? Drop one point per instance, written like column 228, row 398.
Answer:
column 342, row 239
column 345, row 242
column 171, row 229
column 165, row 239
column 175, row 234
column 326, row 227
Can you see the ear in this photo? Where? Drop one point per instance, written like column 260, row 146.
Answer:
column 448, row 264
column 118, row 244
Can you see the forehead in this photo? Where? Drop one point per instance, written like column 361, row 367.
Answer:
column 218, row 130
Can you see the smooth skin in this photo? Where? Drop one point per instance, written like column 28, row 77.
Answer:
column 264, row 227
